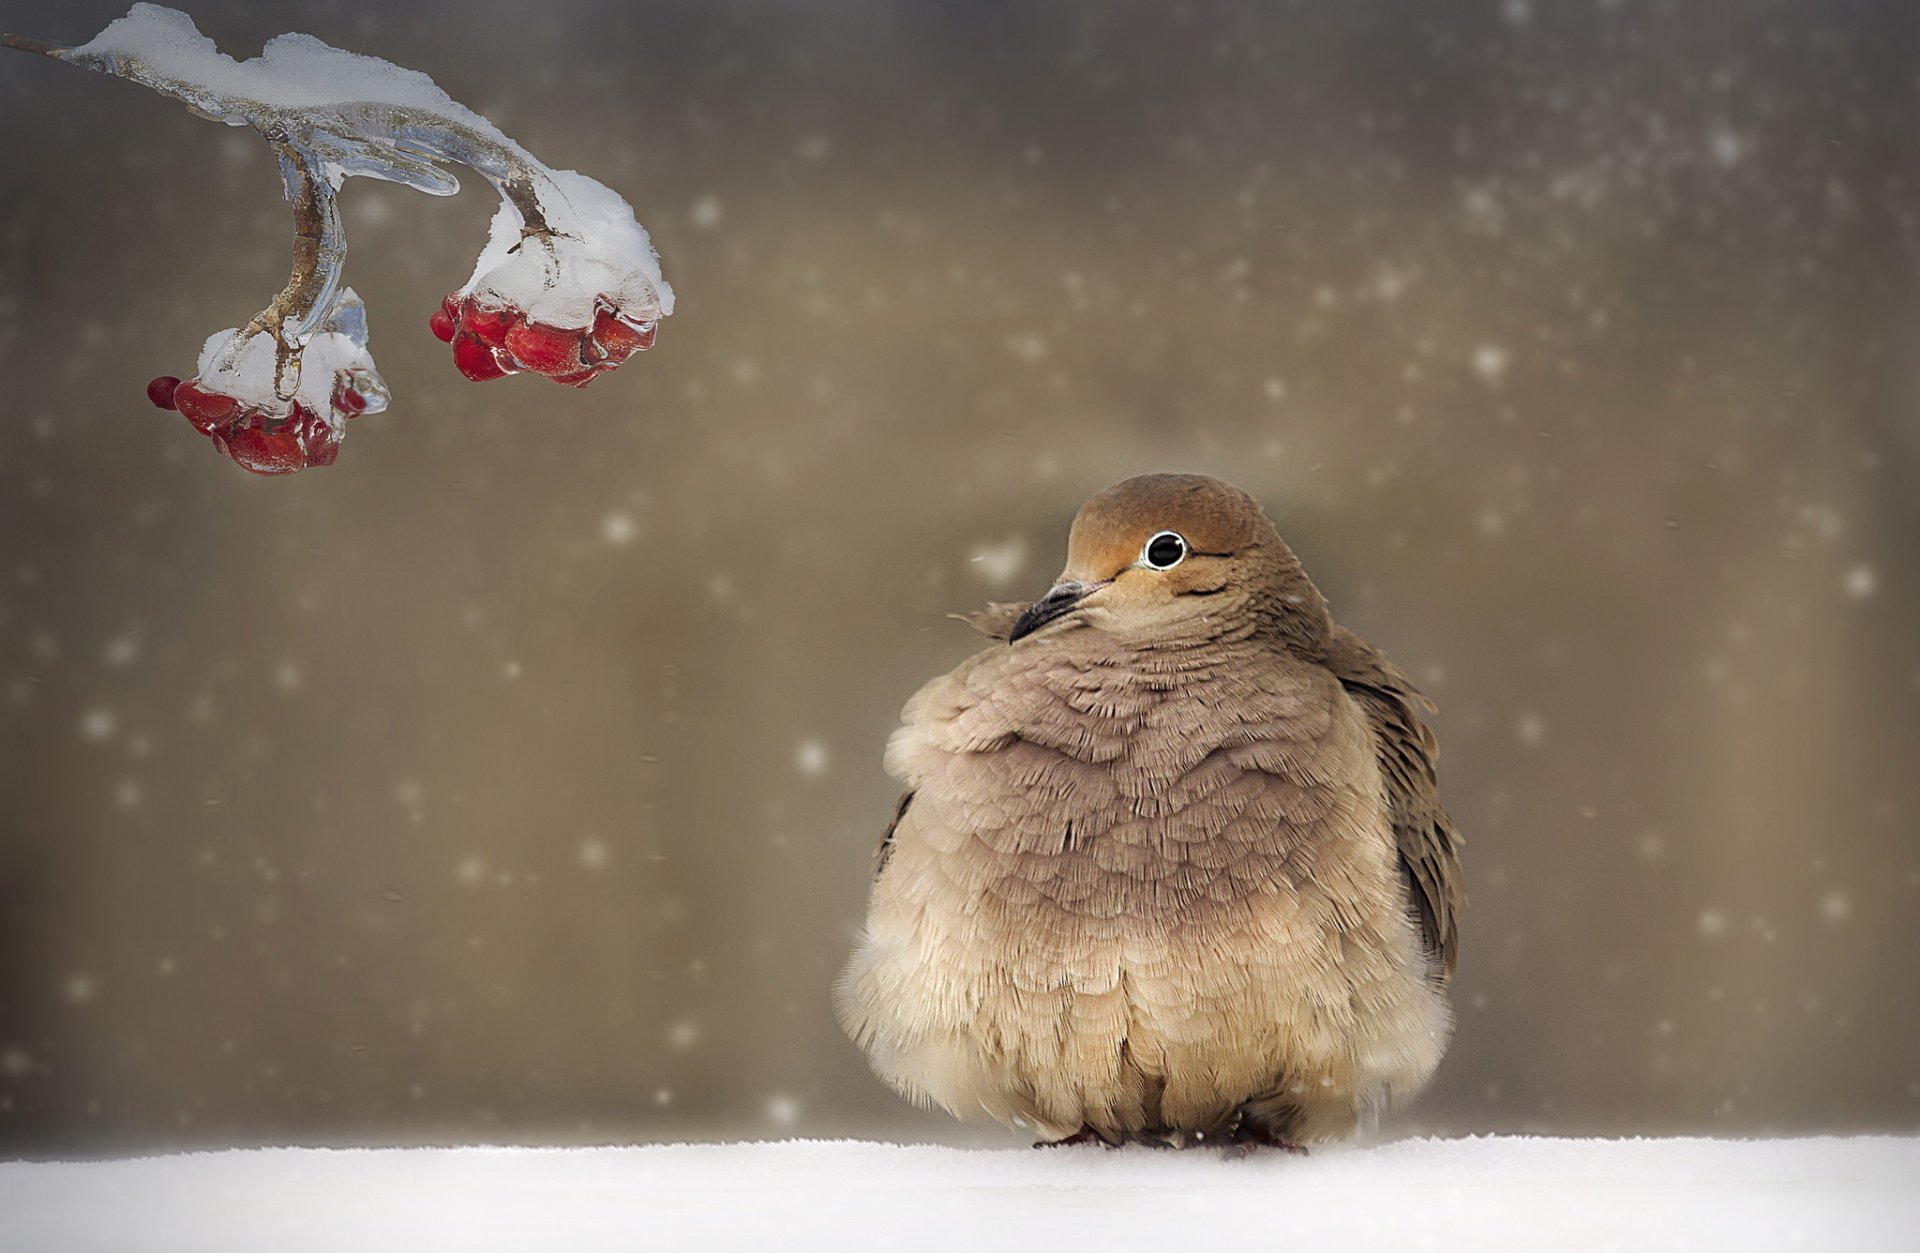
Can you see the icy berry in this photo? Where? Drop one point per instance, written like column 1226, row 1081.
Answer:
column 205, row 409
column 618, row 338
column 550, row 350
column 492, row 339
column 488, row 324
column 358, row 391
column 580, row 378
column 160, row 391
column 266, row 444
column 475, row 360
column 257, row 440
column 441, row 324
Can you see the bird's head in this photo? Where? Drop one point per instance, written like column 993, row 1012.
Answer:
column 1179, row 557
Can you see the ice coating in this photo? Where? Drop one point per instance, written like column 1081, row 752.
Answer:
column 247, row 368
column 350, row 113
column 275, row 411
column 568, row 285
column 596, row 246
column 597, row 249
column 163, row 49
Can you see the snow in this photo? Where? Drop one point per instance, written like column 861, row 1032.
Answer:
column 1475, row 1194
column 246, row 368
column 295, row 73
column 599, row 249
column 347, row 113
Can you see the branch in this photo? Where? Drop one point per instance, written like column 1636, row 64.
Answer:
column 588, row 296
column 23, row 44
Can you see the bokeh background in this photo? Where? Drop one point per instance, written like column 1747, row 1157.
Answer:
column 516, row 778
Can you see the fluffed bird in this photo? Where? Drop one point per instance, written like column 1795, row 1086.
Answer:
column 1172, row 866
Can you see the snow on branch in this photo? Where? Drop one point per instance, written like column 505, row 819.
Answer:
column 568, row 285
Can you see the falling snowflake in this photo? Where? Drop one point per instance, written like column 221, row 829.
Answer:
column 1490, row 362
column 618, row 529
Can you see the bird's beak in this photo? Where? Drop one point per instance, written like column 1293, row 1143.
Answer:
column 1058, row 602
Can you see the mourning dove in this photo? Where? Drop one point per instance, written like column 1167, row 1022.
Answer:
column 1171, row 867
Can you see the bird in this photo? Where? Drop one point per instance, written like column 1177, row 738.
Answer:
column 1171, row 867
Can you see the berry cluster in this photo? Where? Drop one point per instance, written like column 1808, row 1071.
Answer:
column 267, row 442
column 568, row 285
column 491, row 341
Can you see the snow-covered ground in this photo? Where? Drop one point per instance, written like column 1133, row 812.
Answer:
column 1478, row 1194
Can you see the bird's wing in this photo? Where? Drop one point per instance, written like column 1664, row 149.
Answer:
column 884, row 852
column 1406, row 750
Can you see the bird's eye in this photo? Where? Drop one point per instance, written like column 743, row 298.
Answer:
column 1164, row 551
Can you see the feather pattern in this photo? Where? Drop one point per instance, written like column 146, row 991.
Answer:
column 1407, row 752
column 1170, row 865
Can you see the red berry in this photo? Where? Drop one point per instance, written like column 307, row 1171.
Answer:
column 348, row 401
column 209, row 403
column 450, row 305
column 280, row 445
column 205, row 409
column 160, row 391
column 263, row 445
column 441, row 324
column 580, row 378
column 475, row 360
column 551, row 350
column 617, row 337
column 321, row 441
column 489, row 324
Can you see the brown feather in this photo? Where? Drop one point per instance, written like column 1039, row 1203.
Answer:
column 1170, row 865
column 1407, row 753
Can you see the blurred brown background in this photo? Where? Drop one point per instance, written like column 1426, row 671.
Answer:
column 515, row 779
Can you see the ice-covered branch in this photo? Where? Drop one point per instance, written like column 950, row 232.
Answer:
column 567, row 286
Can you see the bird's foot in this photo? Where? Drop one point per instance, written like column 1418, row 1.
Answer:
column 1086, row 1135
column 1250, row 1138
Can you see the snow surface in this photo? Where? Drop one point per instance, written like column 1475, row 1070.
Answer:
column 1475, row 1194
